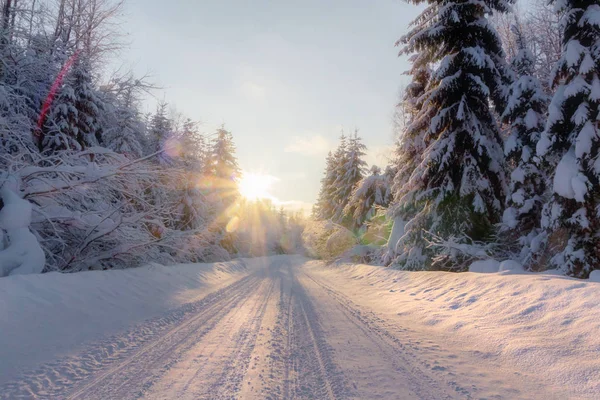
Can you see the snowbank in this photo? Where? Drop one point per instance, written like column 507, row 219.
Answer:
column 43, row 317
column 21, row 254
column 485, row 266
column 540, row 323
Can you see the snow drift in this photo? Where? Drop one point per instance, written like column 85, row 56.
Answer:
column 540, row 323
column 21, row 253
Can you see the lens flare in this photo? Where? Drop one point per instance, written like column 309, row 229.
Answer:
column 233, row 224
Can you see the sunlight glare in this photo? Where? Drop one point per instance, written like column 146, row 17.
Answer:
column 256, row 186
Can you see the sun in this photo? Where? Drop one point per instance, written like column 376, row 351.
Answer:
column 256, row 186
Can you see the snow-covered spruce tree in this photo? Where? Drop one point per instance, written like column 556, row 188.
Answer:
column 222, row 161
column 406, row 245
column 571, row 141
column 221, row 169
column 73, row 121
column 461, row 173
column 60, row 127
column 323, row 208
column 88, row 104
column 193, row 145
column 220, row 186
column 159, row 131
column 124, row 129
column 193, row 207
column 350, row 170
column 126, row 136
column 525, row 113
column 371, row 192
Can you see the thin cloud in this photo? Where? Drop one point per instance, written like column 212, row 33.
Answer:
column 253, row 90
column 312, row 146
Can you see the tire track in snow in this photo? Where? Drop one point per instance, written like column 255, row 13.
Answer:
column 229, row 382
column 55, row 379
column 317, row 374
column 133, row 376
column 202, row 344
column 392, row 350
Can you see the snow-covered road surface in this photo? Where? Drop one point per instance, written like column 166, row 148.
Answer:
column 282, row 331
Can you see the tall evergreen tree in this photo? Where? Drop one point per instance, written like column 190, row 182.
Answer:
column 371, row 192
column 461, row 174
column 572, row 142
column 222, row 160
column 124, row 132
column 192, row 205
column 525, row 113
column 407, row 210
column 350, row 172
column 324, row 207
column 159, row 131
column 88, row 104
column 222, row 167
column 60, row 128
column 340, row 158
column 73, row 121
column 193, row 145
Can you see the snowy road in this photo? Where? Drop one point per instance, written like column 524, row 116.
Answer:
column 281, row 332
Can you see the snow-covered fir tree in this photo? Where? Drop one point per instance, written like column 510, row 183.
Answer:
column 323, row 208
column 88, row 104
column 407, row 246
column 340, row 158
column 371, row 192
column 159, row 131
column 60, row 128
column 461, row 174
column 193, row 145
column 193, row 208
column 526, row 115
column 125, row 135
column 73, row 121
column 350, row 168
column 571, row 141
column 221, row 167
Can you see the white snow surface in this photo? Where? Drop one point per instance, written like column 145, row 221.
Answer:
column 21, row 254
column 44, row 316
column 542, row 323
column 568, row 181
column 485, row 266
column 359, row 332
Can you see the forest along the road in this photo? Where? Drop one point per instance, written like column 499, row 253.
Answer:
column 281, row 332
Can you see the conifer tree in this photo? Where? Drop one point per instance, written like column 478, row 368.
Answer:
column 60, row 127
column 461, row 174
column 350, row 170
column 407, row 209
column 324, row 207
column 192, row 207
column 339, row 169
column 88, row 104
column 571, row 141
column 222, row 166
column 159, row 131
column 371, row 192
column 193, row 145
column 126, row 136
column 73, row 121
column 525, row 113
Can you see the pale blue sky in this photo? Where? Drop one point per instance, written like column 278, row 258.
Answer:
column 284, row 76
